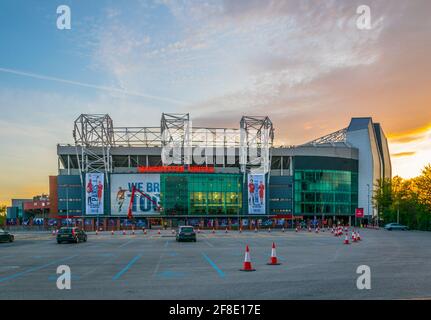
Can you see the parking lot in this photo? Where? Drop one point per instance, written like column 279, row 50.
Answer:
column 153, row 266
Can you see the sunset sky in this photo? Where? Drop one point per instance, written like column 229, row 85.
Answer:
column 305, row 64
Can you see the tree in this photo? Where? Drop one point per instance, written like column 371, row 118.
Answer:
column 2, row 215
column 423, row 183
column 411, row 198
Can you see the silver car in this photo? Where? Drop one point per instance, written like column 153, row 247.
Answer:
column 395, row 226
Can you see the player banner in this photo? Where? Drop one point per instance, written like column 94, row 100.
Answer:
column 121, row 190
column 256, row 194
column 94, row 187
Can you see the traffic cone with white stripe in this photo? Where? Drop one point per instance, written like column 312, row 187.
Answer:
column 346, row 239
column 158, row 232
column 269, row 229
column 225, row 231
column 240, row 230
column 124, row 232
column 316, row 230
column 358, row 237
column 296, row 229
column 213, row 230
column 133, row 231
column 145, row 231
column 112, row 232
column 247, row 261
column 282, row 229
column 309, row 229
column 273, row 260
column 255, row 229
column 354, row 237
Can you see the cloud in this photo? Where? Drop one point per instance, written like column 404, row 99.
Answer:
column 403, row 154
column 415, row 134
column 92, row 86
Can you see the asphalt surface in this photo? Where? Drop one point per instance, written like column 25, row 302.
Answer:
column 152, row 266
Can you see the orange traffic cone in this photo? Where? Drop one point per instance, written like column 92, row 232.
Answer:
column 273, row 260
column 346, row 239
column 247, row 261
column 354, row 237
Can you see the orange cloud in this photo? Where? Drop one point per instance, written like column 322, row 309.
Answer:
column 403, row 154
column 410, row 135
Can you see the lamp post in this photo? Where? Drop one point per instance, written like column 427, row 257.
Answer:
column 67, row 205
column 368, row 203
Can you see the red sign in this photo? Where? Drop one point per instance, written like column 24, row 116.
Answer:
column 284, row 216
column 180, row 169
column 161, row 169
column 359, row 212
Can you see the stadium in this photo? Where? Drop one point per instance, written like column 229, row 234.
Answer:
column 174, row 173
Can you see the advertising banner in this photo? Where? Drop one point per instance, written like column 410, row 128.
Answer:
column 94, row 187
column 121, row 190
column 359, row 212
column 256, row 193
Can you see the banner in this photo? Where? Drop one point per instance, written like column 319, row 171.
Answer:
column 256, row 193
column 359, row 212
column 94, row 187
column 121, row 190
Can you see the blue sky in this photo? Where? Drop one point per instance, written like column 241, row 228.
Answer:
column 305, row 64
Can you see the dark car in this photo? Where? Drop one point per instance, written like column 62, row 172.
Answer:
column 71, row 234
column 6, row 236
column 395, row 226
column 186, row 233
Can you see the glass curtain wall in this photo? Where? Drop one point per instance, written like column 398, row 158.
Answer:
column 201, row 194
column 329, row 192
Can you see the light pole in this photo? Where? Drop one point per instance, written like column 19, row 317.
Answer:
column 398, row 212
column 67, row 205
column 368, row 203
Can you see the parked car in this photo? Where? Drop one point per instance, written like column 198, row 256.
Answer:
column 186, row 233
column 6, row 236
column 71, row 234
column 395, row 226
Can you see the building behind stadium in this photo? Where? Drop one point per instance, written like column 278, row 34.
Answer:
column 328, row 179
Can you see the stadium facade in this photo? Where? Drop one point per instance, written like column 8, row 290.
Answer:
column 240, row 176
